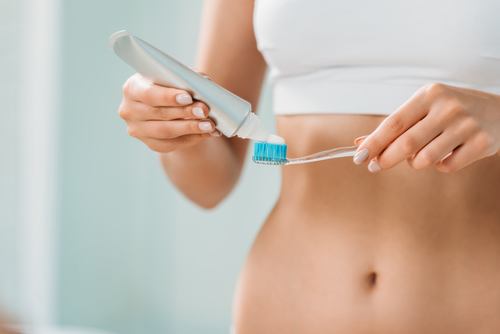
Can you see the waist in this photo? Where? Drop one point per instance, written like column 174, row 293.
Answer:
column 341, row 188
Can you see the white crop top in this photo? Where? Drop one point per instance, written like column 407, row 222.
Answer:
column 370, row 56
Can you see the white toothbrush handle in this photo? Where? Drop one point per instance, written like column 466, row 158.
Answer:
column 330, row 154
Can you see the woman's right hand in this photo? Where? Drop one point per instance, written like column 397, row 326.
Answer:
column 165, row 119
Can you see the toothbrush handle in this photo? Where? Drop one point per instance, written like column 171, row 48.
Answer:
column 330, row 154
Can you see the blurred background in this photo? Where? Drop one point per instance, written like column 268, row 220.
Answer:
column 92, row 234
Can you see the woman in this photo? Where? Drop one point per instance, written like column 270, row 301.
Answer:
column 392, row 248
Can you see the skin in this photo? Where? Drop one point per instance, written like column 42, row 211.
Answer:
column 414, row 248
column 204, row 170
column 436, row 121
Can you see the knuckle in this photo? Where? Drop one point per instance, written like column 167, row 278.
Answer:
column 123, row 112
column 449, row 113
column 469, row 125
column 454, row 107
column 148, row 95
column 425, row 159
column 126, row 87
column 408, row 145
column 132, row 131
column 485, row 138
column 434, row 90
column 484, row 143
column 395, row 123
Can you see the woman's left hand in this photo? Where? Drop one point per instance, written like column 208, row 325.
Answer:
column 442, row 126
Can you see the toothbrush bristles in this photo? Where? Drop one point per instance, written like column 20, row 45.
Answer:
column 269, row 154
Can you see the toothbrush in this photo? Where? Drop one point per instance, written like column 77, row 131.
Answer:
column 273, row 154
column 232, row 115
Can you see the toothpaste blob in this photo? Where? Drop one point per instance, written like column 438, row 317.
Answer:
column 277, row 140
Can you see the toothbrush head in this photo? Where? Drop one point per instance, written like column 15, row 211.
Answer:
column 269, row 154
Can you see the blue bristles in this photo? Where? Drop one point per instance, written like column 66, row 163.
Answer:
column 269, row 154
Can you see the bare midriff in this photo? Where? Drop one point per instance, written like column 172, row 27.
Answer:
column 347, row 251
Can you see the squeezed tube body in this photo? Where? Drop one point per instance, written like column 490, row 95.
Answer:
column 231, row 114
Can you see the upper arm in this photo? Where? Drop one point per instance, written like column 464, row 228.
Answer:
column 227, row 52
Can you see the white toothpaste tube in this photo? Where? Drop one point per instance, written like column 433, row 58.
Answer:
column 231, row 114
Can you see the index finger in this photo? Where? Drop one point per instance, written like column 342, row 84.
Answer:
column 391, row 128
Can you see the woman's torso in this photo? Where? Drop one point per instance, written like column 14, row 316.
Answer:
column 347, row 251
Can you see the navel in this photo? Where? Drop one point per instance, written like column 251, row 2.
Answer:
column 372, row 279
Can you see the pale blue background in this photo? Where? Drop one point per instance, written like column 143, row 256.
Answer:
column 9, row 153
column 133, row 255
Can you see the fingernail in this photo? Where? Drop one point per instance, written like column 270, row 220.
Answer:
column 215, row 134
column 361, row 156
column 374, row 167
column 205, row 126
column 198, row 112
column 184, row 99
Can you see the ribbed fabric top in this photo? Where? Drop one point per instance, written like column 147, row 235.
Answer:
column 369, row 57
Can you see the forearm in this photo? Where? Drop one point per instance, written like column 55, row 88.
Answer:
column 206, row 172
